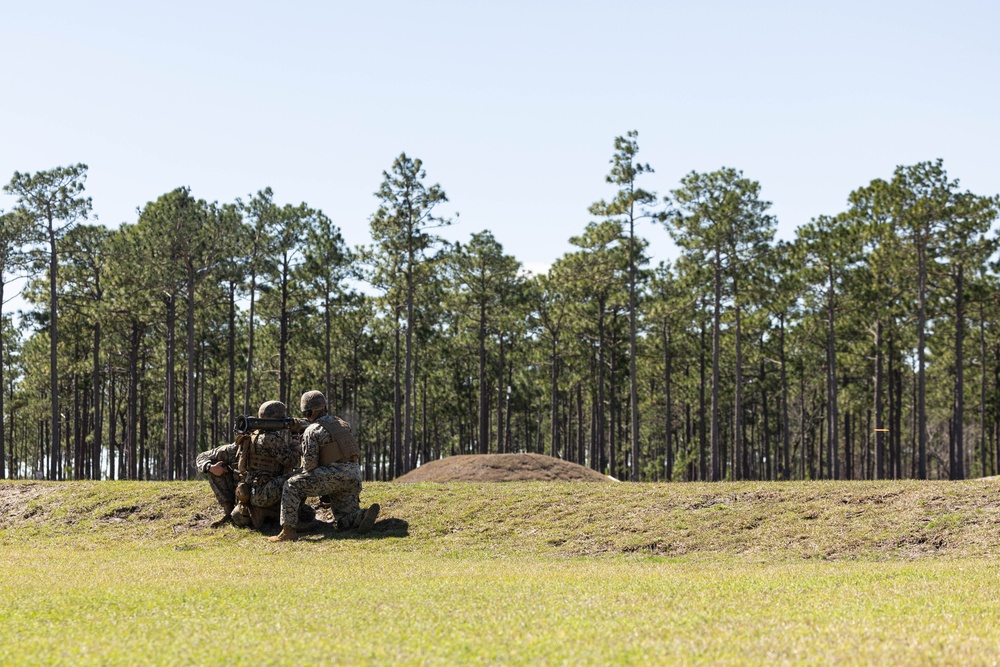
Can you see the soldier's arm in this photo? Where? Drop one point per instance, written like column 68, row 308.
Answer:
column 223, row 453
column 205, row 459
column 310, row 448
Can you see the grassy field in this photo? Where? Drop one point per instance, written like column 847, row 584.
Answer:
column 119, row 573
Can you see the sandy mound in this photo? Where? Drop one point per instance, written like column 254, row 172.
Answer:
column 14, row 498
column 501, row 468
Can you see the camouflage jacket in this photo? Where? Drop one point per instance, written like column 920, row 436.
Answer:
column 225, row 453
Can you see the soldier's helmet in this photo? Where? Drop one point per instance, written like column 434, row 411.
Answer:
column 272, row 410
column 312, row 400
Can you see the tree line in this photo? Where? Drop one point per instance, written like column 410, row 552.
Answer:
column 867, row 347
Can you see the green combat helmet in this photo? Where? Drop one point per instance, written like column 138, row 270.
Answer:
column 312, row 400
column 272, row 410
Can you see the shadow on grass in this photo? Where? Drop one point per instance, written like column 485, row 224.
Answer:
column 382, row 529
column 329, row 531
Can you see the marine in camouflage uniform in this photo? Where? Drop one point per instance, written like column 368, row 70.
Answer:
column 330, row 467
column 222, row 479
column 269, row 458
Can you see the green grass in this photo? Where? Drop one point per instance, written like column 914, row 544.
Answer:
column 813, row 573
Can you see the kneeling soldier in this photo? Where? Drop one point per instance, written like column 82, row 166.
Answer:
column 267, row 460
column 262, row 460
column 330, row 467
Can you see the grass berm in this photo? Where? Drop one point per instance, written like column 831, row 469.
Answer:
column 895, row 572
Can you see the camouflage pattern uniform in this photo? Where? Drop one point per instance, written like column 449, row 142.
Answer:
column 340, row 479
column 265, row 487
column 223, row 486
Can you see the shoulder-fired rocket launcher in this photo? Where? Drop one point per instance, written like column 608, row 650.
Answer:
column 247, row 424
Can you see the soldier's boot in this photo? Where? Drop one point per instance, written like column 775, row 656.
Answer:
column 368, row 520
column 227, row 510
column 287, row 534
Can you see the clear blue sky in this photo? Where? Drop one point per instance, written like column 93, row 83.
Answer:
column 512, row 106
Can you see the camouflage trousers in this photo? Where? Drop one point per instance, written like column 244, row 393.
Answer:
column 224, row 488
column 340, row 481
column 264, row 491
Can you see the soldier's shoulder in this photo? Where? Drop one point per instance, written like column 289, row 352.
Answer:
column 336, row 421
column 273, row 437
column 317, row 429
column 220, row 453
column 230, row 448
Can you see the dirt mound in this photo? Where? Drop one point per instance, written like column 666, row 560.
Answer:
column 501, row 468
column 14, row 500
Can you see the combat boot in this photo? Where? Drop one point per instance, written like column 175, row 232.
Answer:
column 225, row 518
column 368, row 520
column 287, row 534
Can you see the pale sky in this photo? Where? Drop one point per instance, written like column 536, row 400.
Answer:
column 512, row 106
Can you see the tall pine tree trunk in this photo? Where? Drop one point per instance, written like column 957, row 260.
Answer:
column 283, row 339
column 982, row 391
column 170, row 394
column 326, row 343
column 484, row 406
column 143, row 424
column 921, row 425
column 132, row 410
column 506, row 429
column 250, row 330
column 702, row 442
column 959, row 413
column 739, row 453
column 501, row 397
column 601, row 451
column 668, row 425
column 3, row 445
column 894, row 456
column 112, row 421
column 786, row 470
column 832, row 416
column 716, row 342
column 54, row 461
column 879, row 421
column 231, row 350
column 396, row 460
column 407, row 371
column 77, row 444
column 95, row 468
column 633, row 382
column 191, row 384
column 554, row 397
column 765, row 438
